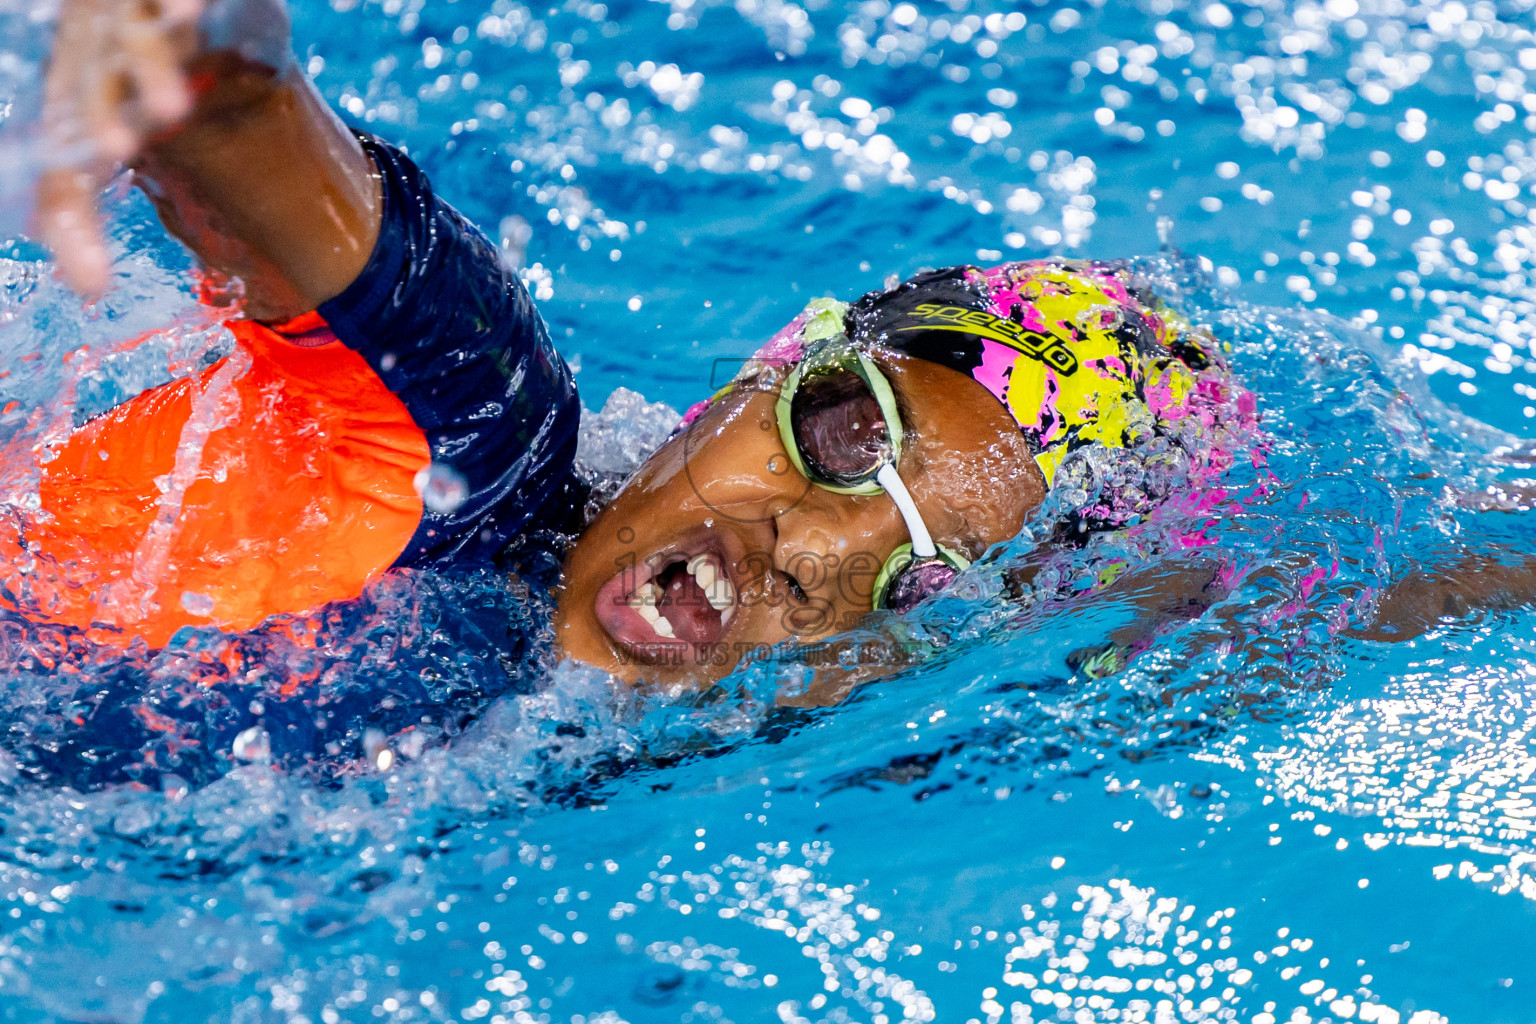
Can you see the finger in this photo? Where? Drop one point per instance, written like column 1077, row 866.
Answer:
column 103, row 101
column 181, row 12
column 155, row 69
column 63, row 87
column 69, row 225
column 83, row 124
column 81, row 90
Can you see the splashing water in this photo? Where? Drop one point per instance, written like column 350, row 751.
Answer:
column 401, row 809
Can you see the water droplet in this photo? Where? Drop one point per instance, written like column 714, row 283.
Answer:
column 1100, row 318
column 174, row 786
column 253, row 744
column 375, row 746
column 441, row 488
column 197, row 604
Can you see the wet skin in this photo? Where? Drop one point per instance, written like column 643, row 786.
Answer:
column 800, row 561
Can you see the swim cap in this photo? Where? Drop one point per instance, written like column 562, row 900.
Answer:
column 1074, row 352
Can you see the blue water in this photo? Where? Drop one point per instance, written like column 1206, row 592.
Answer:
column 1256, row 820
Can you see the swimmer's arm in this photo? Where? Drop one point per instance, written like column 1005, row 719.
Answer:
column 1497, row 580
column 226, row 135
column 1493, row 580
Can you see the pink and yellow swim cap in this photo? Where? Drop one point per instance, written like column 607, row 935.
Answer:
column 1076, row 352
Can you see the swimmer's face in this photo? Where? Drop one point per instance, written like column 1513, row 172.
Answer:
column 744, row 553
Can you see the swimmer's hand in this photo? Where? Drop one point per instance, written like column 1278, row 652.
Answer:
column 116, row 77
column 239, row 154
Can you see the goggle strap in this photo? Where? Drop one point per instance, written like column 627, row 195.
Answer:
column 922, row 541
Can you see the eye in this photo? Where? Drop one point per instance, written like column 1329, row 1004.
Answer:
column 838, row 425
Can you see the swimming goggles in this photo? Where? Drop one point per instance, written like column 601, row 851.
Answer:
column 839, row 422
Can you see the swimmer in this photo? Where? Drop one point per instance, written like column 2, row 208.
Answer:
column 861, row 461
column 872, row 451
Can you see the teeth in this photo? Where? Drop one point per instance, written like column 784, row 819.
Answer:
column 722, row 596
column 717, row 589
column 644, row 601
column 704, row 573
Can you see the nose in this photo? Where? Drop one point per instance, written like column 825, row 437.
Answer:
column 826, row 539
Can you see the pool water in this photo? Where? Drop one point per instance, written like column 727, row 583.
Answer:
column 1257, row 819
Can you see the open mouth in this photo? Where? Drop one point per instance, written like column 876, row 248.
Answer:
column 661, row 608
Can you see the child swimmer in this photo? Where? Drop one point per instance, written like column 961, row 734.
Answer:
column 861, row 460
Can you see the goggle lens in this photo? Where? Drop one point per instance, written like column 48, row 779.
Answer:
column 907, row 579
column 839, row 426
column 917, row 581
column 839, row 421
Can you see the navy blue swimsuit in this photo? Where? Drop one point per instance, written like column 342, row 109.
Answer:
column 454, row 333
